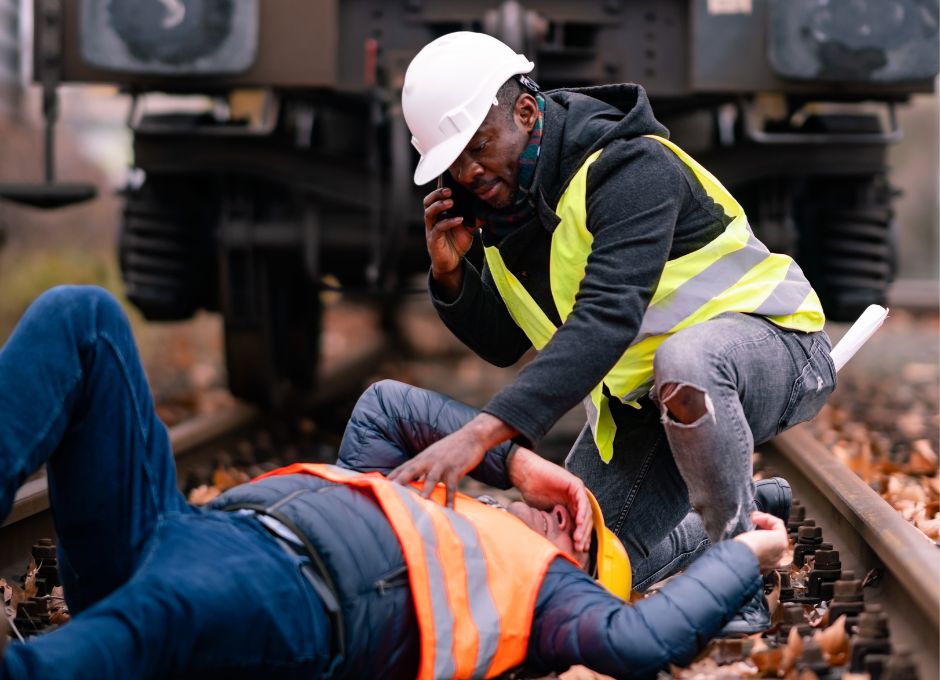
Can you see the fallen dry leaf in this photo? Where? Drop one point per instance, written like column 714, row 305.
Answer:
column 226, row 477
column 17, row 595
column 8, row 596
column 760, row 645
column 909, row 490
column 799, row 576
column 834, row 643
column 59, row 617
column 29, row 581
column 923, row 459
column 791, row 652
column 931, row 507
column 932, row 484
column 911, row 425
column 58, row 609
column 768, row 661
column 773, row 598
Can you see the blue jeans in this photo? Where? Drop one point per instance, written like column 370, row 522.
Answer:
column 672, row 487
column 156, row 587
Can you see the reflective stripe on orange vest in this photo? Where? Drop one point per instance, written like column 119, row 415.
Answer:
column 474, row 574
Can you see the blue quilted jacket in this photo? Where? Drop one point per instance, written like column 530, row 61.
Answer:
column 576, row 621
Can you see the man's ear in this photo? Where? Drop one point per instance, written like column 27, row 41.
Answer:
column 526, row 112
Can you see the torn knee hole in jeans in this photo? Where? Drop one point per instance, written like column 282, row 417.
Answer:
column 683, row 404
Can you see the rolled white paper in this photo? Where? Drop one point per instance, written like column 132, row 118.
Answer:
column 866, row 325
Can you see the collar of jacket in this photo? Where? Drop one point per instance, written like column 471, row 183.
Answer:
column 546, row 170
column 550, row 181
column 578, row 122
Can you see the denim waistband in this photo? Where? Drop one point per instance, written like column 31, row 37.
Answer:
column 291, row 541
column 293, row 545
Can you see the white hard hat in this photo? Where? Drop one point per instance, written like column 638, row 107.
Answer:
column 449, row 88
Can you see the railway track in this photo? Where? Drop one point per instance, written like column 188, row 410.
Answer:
column 900, row 565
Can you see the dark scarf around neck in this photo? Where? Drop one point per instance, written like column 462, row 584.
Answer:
column 497, row 223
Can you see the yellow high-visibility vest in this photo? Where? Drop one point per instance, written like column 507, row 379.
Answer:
column 734, row 272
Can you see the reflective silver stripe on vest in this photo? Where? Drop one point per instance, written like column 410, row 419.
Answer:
column 482, row 608
column 343, row 471
column 444, row 665
column 708, row 284
column 789, row 293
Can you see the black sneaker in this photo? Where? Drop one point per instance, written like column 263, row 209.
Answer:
column 774, row 497
column 753, row 617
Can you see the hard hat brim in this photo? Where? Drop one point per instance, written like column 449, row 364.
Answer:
column 614, row 571
column 436, row 161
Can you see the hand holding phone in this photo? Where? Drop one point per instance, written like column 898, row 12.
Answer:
column 447, row 238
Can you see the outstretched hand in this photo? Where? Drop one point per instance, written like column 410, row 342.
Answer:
column 450, row 458
column 544, row 485
column 447, row 461
column 768, row 541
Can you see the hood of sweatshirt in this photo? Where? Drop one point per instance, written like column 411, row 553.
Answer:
column 578, row 122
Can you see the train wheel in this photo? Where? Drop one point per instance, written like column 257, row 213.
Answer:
column 272, row 327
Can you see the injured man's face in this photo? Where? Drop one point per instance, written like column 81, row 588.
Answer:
column 556, row 525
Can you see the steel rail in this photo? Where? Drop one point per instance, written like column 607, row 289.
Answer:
column 30, row 518
column 33, row 496
column 870, row 535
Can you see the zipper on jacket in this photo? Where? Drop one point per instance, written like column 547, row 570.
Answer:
column 393, row 579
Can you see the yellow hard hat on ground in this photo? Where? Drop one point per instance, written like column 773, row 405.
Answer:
column 612, row 565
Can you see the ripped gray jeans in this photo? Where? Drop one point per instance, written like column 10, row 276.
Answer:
column 672, row 487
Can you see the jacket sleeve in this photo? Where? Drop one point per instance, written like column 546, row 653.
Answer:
column 634, row 197
column 393, row 422
column 479, row 318
column 578, row 622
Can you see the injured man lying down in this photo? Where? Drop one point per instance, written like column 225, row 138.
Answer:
column 318, row 570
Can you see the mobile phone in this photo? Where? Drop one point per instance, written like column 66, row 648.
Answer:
column 440, row 185
column 463, row 202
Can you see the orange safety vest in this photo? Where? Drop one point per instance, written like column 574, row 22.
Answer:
column 474, row 573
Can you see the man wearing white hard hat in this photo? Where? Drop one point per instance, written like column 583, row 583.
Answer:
column 635, row 274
